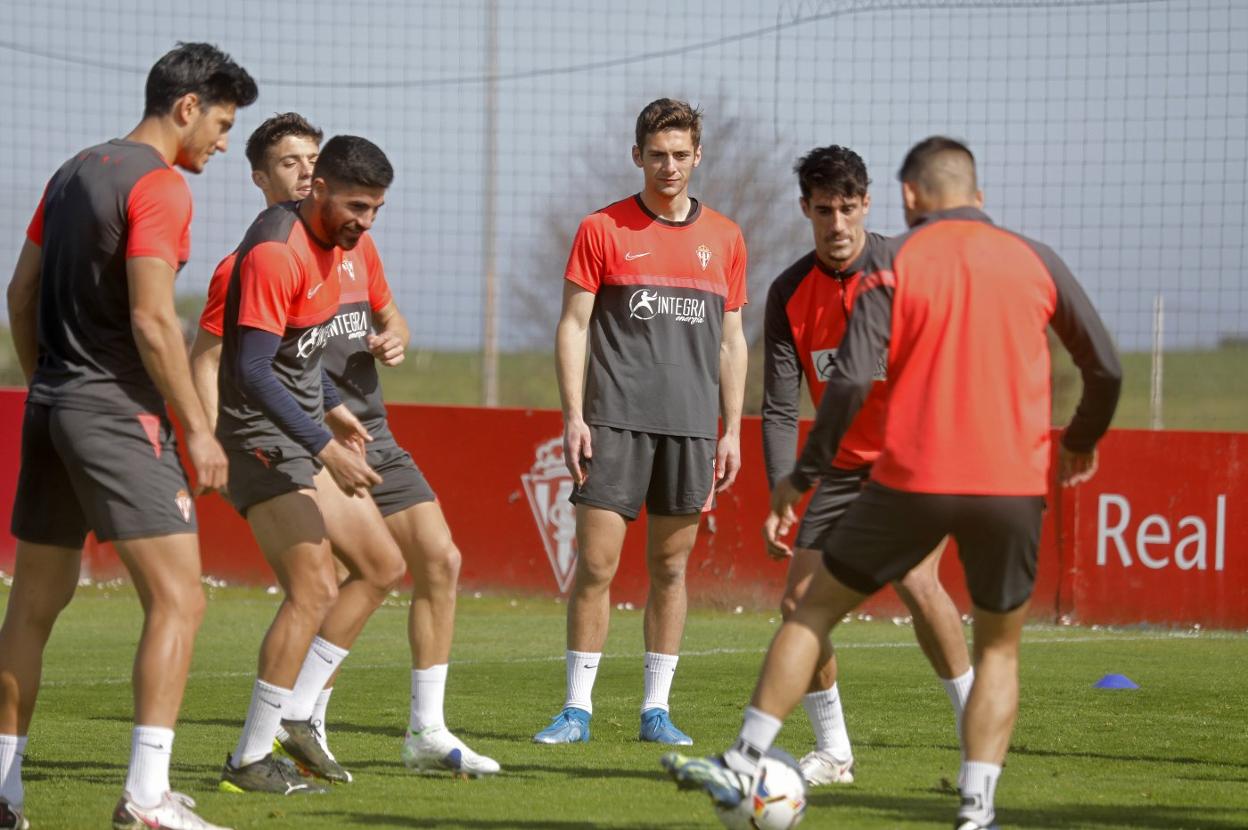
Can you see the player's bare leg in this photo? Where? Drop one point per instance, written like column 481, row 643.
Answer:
column 166, row 574
column 44, row 580
column 291, row 533
column 433, row 560
column 599, row 539
column 832, row 759
column 363, row 544
column 991, row 710
column 938, row 629
column 669, row 541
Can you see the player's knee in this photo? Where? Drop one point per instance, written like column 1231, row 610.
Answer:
column 920, row 588
column 594, row 573
column 442, row 565
column 391, row 574
column 34, row 616
column 315, row 593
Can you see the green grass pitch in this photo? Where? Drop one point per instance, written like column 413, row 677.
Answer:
column 1172, row 754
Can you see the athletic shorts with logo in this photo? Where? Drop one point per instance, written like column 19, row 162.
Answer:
column 672, row 475
column 266, row 472
column 832, row 498
column 887, row 532
column 118, row 476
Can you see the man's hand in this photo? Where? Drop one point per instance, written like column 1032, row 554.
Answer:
column 727, row 461
column 576, row 448
column 349, row 469
column 1075, row 468
column 781, row 518
column 208, row 459
column 347, row 428
column 386, row 347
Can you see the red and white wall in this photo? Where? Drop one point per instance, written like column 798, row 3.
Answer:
column 1159, row 535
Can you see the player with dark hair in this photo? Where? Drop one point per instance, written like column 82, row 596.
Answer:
column 959, row 308
column 367, row 328
column 808, row 308
column 91, row 308
column 289, row 476
column 653, row 291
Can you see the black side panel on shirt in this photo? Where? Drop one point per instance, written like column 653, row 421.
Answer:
column 782, row 373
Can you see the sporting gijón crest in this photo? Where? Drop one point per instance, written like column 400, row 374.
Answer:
column 548, row 486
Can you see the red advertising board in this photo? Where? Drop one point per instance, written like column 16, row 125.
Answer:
column 1152, row 539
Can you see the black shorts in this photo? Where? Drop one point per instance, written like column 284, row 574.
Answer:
column 116, row 475
column 672, row 475
column 402, row 483
column 268, row 471
column 887, row 532
column 837, row 490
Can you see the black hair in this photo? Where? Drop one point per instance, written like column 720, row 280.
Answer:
column 351, row 160
column 936, row 162
column 835, row 170
column 274, row 130
column 198, row 68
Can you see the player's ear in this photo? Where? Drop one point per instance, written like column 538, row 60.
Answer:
column 866, row 203
column 697, row 155
column 979, row 199
column 909, row 196
column 805, row 203
column 636, row 155
column 185, row 109
column 260, row 179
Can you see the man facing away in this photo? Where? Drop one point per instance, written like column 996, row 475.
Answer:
column 367, row 328
column 959, row 308
column 653, row 292
column 91, row 308
column 808, row 308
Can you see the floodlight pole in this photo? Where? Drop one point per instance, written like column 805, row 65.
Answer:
column 489, row 335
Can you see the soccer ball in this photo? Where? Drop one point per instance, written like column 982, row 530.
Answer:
column 776, row 800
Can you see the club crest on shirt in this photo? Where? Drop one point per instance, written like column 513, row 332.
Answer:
column 184, row 503
column 348, row 267
column 704, row 256
column 548, row 486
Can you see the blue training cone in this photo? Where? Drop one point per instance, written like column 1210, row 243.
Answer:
column 1115, row 681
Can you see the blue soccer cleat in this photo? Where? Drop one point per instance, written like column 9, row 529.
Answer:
column 570, row 726
column 726, row 788
column 657, row 727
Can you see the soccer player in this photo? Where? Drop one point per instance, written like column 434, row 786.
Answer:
column 92, row 314
column 367, row 328
column 289, row 476
column 654, row 289
column 959, row 308
column 808, row 308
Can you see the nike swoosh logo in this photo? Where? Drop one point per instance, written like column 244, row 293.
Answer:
column 591, row 667
column 312, row 291
column 630, row 256
column 323, row 657
column 271, row 703
column 151, row 746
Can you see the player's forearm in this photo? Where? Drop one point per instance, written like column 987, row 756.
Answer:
column 23, row 304
column 391, row 321
column 158, row 336
column 205, row 369
column 256, row 351
column 733, row 359
column 570, row 348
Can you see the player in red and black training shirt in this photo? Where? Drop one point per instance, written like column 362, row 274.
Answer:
column 654, row 289
column 289, row 476
column 368, row 328
column 960, row 309
column 93, row 319
column 808, row 309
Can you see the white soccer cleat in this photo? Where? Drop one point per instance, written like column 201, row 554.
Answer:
column 819, row 768
column 174, row 812
column 435, row 749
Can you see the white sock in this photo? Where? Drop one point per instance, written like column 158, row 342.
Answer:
column 828, row 720
column 660, row 669
column 959, row 689
column 582, row 671
column 758, row 732
column 319, row 665
column 978, row 783
column 322, row 704
column 264, row 715
column 12, row 750
column 428, row 693
column 148, row 778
